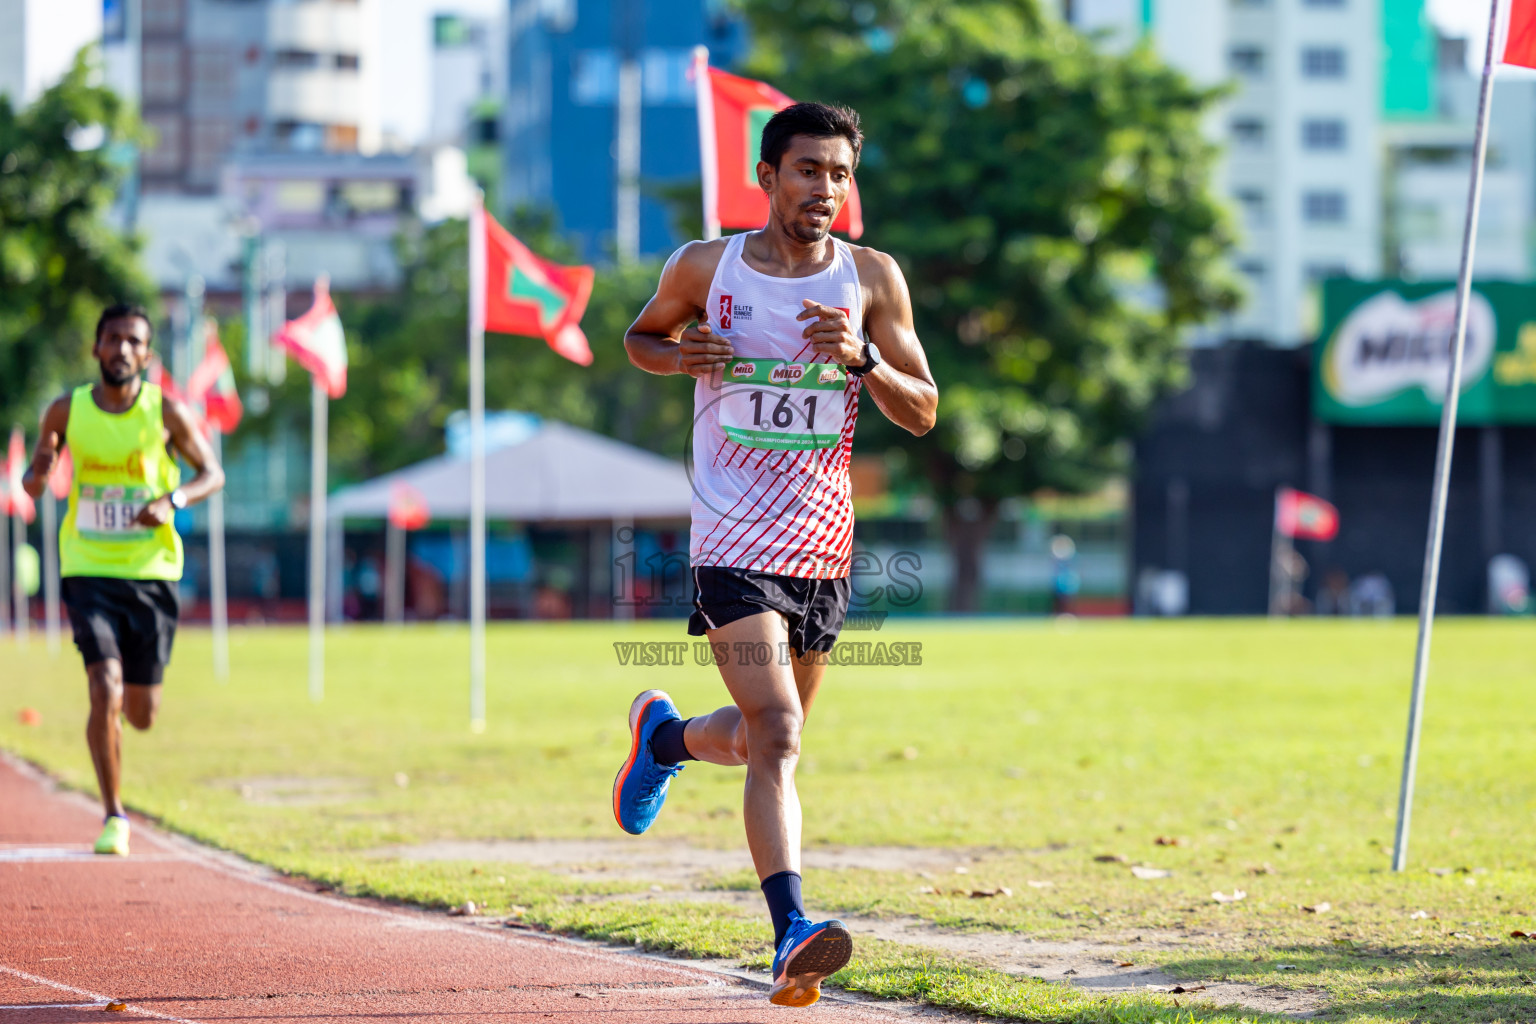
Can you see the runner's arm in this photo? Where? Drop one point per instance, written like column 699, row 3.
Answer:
column 188, row 441
column 50, row 438
column 901, row 385
column 661, row 340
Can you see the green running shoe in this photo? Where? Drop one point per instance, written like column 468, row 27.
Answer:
column 114, row 837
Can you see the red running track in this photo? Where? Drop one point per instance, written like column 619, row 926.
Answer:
column 184, row 934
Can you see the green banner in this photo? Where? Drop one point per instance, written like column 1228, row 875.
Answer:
column 1383, row 354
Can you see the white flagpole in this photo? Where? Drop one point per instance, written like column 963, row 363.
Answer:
column 218, row 595
column 50, row 515
column 18, row 585
column 477, row 466
column 317, row 524
column 1443, row 453
column 709, row 155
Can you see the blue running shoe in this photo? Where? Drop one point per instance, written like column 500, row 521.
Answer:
column 640, row 788
column 809, row 954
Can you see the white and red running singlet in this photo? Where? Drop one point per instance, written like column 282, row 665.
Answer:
column 773, row 429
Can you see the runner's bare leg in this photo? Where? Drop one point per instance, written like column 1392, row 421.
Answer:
column 762, row 731
column 104, row 730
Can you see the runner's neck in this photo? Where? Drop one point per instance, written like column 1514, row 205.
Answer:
column 116, row 398
column 773, row 251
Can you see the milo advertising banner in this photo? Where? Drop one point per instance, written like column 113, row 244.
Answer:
column 1384, row 353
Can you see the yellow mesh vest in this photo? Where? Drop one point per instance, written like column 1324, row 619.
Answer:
column 121, row 464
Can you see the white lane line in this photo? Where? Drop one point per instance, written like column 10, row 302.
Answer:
column 56, row 854
column 52, row 1006
column 96, row 996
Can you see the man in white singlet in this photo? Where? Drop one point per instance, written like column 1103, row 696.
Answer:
column 790, row 324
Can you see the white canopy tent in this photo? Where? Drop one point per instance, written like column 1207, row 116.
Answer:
column 559, row 473
column 555, row 473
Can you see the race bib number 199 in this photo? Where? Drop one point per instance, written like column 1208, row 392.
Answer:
column 768, row 403
column 110, row 511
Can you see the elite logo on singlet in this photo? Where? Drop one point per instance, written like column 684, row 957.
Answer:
column 725, row 313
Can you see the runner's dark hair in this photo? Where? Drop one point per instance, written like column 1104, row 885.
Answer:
column 818, row 120
column 122, row 310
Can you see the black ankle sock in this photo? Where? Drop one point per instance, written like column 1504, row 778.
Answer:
column 667, row 745
column 782, row 892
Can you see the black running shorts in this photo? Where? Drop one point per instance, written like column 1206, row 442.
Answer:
column 133, row 621
column 815, row 608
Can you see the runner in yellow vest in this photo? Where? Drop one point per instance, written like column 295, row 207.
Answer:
column 120, row 556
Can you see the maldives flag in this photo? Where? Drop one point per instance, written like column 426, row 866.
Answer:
column 525, row 294
column 732, row 113
column 17, row 501
column 1305, row 516
column 213, row 385
column 317, row 341
column 1517, row 30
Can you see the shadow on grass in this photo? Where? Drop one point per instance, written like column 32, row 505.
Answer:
column 1491, row 982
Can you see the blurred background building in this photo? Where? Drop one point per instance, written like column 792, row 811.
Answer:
column 600, row 113
column 1347, row 140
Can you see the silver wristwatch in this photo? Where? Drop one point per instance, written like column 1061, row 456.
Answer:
column 178, row 499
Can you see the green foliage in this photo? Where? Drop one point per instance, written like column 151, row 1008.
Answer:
column 60, row 261
column 409, row 366
column 1051, row 207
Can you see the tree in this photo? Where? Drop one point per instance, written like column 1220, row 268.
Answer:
column 60, row 260
column 1051, row 207
column 409, row 366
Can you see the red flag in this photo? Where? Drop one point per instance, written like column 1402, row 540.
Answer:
column 408, row 508
column 63, row 474
column 527, row 295
column 1517, row 25
column 317, row 341
column 1305, row 516
column 728, row 146
column 167, row 384
column 212, row 385
column 17, row 501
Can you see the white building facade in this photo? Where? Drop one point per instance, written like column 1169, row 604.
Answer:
column 39, row 40
column 1301, row 133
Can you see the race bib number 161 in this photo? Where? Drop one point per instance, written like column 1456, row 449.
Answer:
column 768, row 403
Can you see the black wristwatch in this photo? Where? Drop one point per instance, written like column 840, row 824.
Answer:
column 872, row 359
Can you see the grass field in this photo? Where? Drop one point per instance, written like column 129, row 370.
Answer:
column 1266, row 752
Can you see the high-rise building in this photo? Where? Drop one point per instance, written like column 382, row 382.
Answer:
column 1301, row 131
column 600, row 113
column 39, row 40
column 213, row 78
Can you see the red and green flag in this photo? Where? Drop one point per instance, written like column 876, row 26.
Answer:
column 1305, row 516
column 317, row 341
column 732, row 113
column 527, row 295
column 212, row 385
column 1516, row 40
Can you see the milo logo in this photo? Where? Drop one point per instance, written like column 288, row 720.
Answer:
column 743, row 370
column 1389, row 345
column 786, row 373
column 827, row 375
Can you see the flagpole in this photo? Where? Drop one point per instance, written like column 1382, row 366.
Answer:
column 50, row 515
column 218, row 594
column 1274, row 559
column 18, row 585
column 477, row 466
column 709, row 155
column 1443, row 454
column 317, row 469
